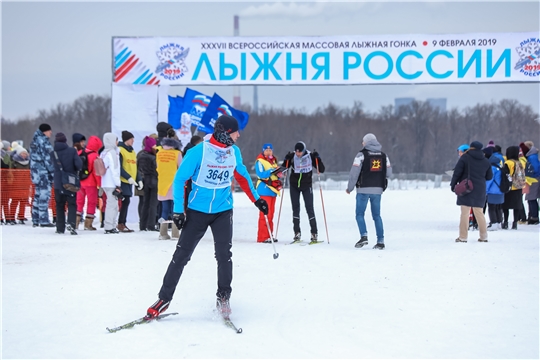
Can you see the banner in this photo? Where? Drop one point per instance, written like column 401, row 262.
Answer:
column 218, row 107
column 355, row 59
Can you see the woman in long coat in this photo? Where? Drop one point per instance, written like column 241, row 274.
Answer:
column 473, row 165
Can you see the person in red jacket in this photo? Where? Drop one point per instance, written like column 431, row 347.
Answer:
column 90, row 185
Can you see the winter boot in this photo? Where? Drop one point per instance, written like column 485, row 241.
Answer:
column 533, row 221
column 77, row 221
column 102, row 225
column 175, row 233
column 363, row 241
column 379, row 246
column 158, row 308
column 482, row 240
column 504, row 225
column 163, row 231
column 514, row 225
column 88, row 224
column 460, row 240
column 223, row 306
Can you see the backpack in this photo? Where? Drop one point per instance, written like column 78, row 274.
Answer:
column 506, row 180
column 518, row 178
column 99, row 167
column 84, row 173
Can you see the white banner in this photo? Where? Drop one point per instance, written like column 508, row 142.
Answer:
column 358, row 59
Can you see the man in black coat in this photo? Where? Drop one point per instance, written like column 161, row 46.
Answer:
column 474, row 166
column 71, row 163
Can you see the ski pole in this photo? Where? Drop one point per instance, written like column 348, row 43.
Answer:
column 276, row 255
column 322, row 200
column 281, row 202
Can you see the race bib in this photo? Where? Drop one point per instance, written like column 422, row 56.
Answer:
column 217, row 167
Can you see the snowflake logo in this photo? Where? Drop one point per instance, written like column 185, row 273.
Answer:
column 171, row 61
column 529, row 55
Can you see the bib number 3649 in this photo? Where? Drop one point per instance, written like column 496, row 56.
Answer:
column 218, row 175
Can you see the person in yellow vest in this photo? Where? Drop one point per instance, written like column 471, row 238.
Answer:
column 168, row 160
column 268, row 187
column 128, row 176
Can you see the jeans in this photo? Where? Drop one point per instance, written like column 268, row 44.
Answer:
column 361, row 204
column 166, row 209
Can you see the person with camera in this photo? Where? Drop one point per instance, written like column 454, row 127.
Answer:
column 64, row 159
column 110, row 182
column 211, row 165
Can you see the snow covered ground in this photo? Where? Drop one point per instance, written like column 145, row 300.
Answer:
column 425, row 296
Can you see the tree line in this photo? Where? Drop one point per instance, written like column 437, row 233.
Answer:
column 418, row 138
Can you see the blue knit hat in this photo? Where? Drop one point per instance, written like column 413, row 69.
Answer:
column 463, row 147
column 267, row 146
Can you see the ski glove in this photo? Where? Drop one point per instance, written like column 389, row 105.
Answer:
column 140, row 186
column 289, row 156
column 132, row 181
column 262, row 205
column 179, row 220
column 316, row 154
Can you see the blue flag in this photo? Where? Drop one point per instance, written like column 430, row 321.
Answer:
column 195, row 105
column 175, row 111
column 218, row 107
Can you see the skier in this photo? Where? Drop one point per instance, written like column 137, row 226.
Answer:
column 211, row 165
column 369, row 173
column 302, row 163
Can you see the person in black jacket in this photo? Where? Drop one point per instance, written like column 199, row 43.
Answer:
column 303, row 162
column 146, row 165
column 71, row 163
column 474, row 166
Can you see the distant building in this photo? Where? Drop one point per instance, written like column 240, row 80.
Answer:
column 439, row 103
column 399, row 102
column 436, row 103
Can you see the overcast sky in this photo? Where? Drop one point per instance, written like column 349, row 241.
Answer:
column 55, row 52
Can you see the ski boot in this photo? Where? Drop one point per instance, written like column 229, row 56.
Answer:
column 379, row 246
column 297, row 238
column 158, row 308
column 313, row 239
column 223, row 306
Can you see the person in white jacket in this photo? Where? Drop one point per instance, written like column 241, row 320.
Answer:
column 111, row 180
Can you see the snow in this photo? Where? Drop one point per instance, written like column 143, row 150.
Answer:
column 424, row 296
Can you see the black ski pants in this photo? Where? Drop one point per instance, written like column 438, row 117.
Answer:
column 194, row 229
column 124, row 210
column 307, row 194
column 495, row 213
column 61, row 200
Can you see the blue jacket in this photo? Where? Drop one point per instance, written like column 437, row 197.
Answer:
column 210, row 201
column 493, row 186
column 532, row 158
column 70, row 160
column 41, row 166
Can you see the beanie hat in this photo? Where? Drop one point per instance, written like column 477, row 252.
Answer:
column 476, row 145
column 369, row 137
column 524, row 148
column 491, row 143
column 60, row 137
column 126, row 135
column 20, row 150
column 77, row 138
column 6, row 144
column 300, row 146
column 267, row 146
column 149, row 143
column 14, row 145
column 488, row 151
column 162, row 128
column 463, row 148
column 44, row 127
column 529, row 144
column 229, row 123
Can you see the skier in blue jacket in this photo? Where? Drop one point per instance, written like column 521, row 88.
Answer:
column 210, row 165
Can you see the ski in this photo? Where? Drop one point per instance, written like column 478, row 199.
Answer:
column 142, row 320
column 294, row 242
column 312, row 243
column 230, row 324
